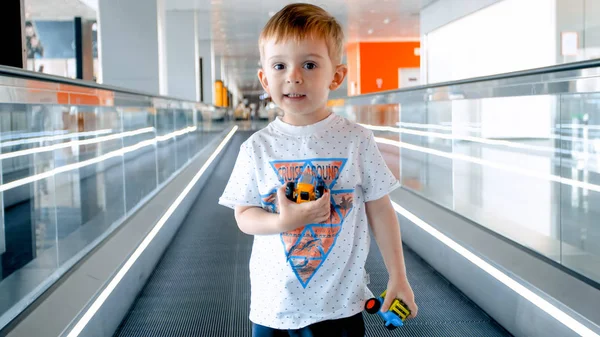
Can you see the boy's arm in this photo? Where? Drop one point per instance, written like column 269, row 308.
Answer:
column 256, row 221
column 386, row 229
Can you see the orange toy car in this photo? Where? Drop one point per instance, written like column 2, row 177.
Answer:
column 304, row 190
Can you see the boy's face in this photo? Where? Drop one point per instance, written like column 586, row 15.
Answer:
column 298, row 76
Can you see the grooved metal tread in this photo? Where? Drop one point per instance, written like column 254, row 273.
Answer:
column 201, row 285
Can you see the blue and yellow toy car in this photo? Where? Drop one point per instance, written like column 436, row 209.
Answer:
column 394, row 317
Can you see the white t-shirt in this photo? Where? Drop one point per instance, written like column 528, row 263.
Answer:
column 316, row 272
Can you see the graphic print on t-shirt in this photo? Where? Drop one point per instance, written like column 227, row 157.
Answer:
column 308, row 247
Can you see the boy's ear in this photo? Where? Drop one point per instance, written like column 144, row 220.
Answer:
column 262, row 77
column 339, row 76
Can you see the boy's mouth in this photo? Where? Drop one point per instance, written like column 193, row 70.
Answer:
column 294, row 95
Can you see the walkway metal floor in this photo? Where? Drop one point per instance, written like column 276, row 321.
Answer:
column 201, row 286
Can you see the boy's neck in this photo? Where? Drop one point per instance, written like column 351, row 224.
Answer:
column 303, row 120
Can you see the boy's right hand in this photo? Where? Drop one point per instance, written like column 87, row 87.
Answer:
column 293, row 215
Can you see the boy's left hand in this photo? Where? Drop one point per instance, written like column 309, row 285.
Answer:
column 398, row 287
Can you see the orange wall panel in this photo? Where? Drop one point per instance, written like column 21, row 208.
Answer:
column 353, row 62
column 381, row 60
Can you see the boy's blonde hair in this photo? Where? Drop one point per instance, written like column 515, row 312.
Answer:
column 300, row 21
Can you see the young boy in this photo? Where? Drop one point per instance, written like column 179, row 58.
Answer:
column 307, row 265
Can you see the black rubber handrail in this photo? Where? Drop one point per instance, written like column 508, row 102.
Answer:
column 521, row 73
column 16, row 72
column 30, row 75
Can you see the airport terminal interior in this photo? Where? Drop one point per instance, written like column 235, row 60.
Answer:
column 121, row 122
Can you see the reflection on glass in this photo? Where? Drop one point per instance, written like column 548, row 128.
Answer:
column 70, row 174
column 525, row 167
column 181, row 123
column 140, row 165
column 29, row 208
column 580, row 201
column 167, row 155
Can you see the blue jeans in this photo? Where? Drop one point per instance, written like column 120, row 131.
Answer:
column 353, row 326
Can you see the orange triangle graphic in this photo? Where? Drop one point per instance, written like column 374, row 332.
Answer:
column 327, row 235
column 290, row 238
column 307, row 246
column 304, row 268
column 344, row 203
column 334, row 218
column 307, row 252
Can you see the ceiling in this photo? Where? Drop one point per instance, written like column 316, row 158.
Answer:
column 236, row 24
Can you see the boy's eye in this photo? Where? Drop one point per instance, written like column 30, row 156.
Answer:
column 278, row 66
column 310, row 66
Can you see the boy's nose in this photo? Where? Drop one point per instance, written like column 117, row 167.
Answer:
column 295, row 77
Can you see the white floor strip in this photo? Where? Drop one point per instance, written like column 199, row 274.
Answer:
column 541, row 303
